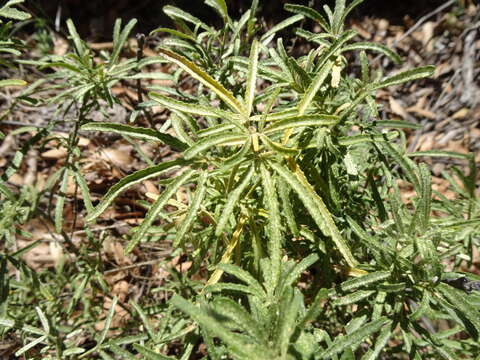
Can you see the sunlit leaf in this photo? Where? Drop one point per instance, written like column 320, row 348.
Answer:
column 197, row 73
column 136, row 133
column 316, row 207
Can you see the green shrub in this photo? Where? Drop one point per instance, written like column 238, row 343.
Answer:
column 291, row 175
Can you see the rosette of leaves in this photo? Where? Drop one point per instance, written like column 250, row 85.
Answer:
column 241, row 155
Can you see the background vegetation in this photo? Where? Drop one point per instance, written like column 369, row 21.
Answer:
column 267, row 196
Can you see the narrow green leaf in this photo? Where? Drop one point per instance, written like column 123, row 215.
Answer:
column 365, row 69
column 236, row 159
column 197, row 73
column 233, row 200
column 235, row 341
column 157, row 207
column 337, row 23
column 145, row 321
column 240, row 316
column 374, row 47
column 108, row 322
column 424, row 207
column 240, row 25
column 178, row 120
column 7, row 192
column 401, row 159
column 459, row 302
column 77, row 41
column 79, row 292
column 119, row 42
column 120, row 351
column 301, row 121
column 9, row 323
column 409, row 75
column 365, row 280
column 131, row 180
column 173, row 32
column 30, row 345
column 440, row 153
column 176, row 13
column 251, row 77
column 349, row 8
column 273, row 230
column 9, row 12
column 353, row 298
column 314, row 86
column 220, row 7
column 244, row 276
column 150, row 354
column 195, row 109
column 281, row 63
column 397, row 124
column 43, row 320
column 289, row 310
column 61, row 201
column 192, row 209
column 317, row 209
column 422, row 307
column 380, row 343
column 64, row 65
column 309, row 13
column 82, row 184
column 12, row 82
column 299, row 268
column 221, row 287
column 335, row 49
column 287, row 206
column 278, row 147
column 217, row 140
column 136, row 133
column 150, row 75
column 279, row 115
column 354, row 339
column 267, row 37
column 72, row 351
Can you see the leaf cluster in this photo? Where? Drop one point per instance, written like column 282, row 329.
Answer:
column 292, row 202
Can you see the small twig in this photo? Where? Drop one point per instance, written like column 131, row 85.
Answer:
column 140, row 45
column 419, row 23
column 58, row 17
column 470, row 89
column 129, row 267
column 7, row 143
column 31, row 174
column 115, row 226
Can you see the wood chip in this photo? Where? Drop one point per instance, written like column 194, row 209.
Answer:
column 397, row 108
column 461, row 114
column 55, row 154
column 422, row 112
